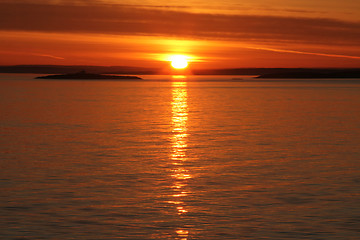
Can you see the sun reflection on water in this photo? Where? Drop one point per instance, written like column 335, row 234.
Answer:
column 179, row 146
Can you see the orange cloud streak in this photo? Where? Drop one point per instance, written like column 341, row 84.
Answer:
column 306, row 53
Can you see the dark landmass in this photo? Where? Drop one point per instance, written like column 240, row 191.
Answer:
column 85, row 75
column 263, row 72
column 314, row 74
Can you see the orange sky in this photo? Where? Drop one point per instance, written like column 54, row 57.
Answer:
column 215, row 34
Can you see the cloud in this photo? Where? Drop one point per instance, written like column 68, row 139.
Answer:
column 48, row 55
column 303, row 52
column 31, row 54
column 130, row 20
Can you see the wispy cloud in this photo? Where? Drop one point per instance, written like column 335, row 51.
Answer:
column 302, row 52
column 47, row 55
column 32, row 54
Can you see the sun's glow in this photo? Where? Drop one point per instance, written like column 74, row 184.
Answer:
column 179, row 61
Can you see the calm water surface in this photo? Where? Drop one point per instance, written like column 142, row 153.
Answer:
column 179, row 160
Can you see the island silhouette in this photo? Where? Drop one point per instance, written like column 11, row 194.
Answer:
column 89, row 76
column 127, row 72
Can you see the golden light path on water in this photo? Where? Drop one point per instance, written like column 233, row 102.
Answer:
column 179, row 146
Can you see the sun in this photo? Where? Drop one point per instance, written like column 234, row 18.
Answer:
column 179, row 61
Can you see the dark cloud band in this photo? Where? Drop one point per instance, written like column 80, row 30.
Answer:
column 130, row 20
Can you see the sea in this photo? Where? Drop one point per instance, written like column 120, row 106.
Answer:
column 179, row 157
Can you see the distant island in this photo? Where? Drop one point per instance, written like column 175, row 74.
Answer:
column 125, row 71
column 84, row 75
column 128, row 70
column 313, row 74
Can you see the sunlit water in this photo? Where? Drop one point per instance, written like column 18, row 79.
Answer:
column 179, row 160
